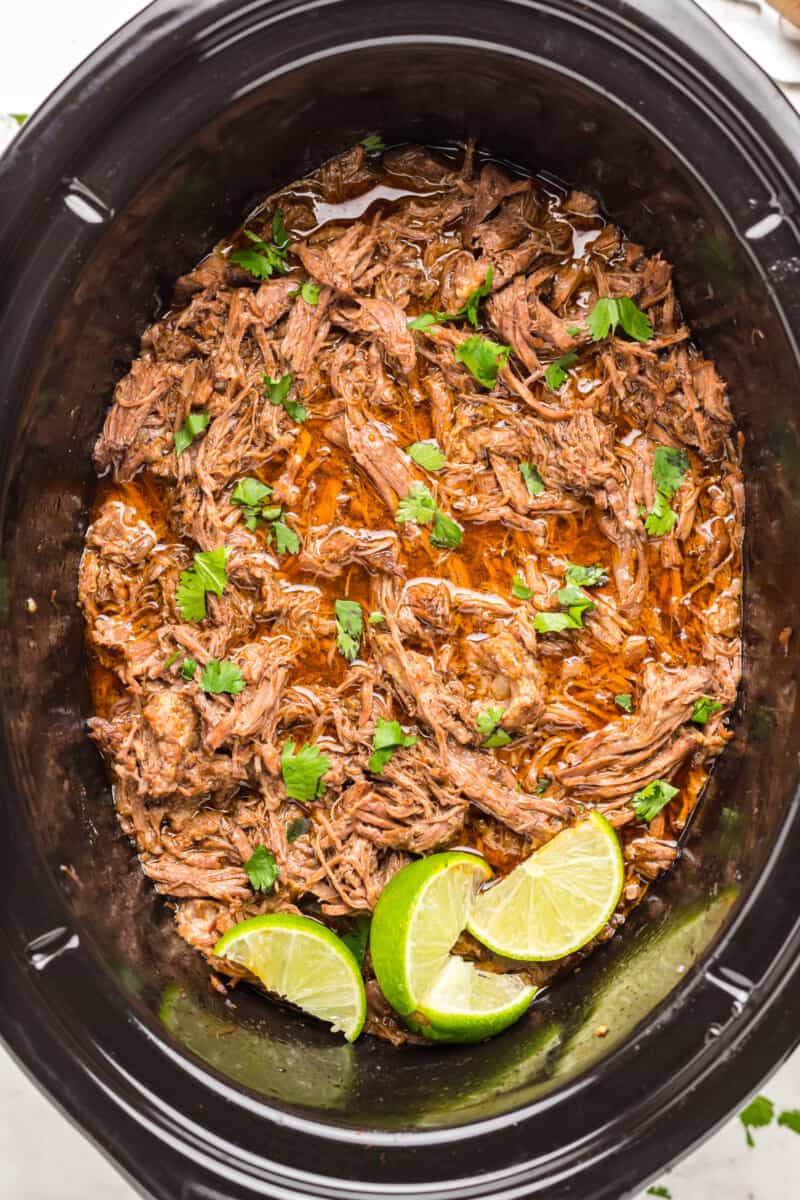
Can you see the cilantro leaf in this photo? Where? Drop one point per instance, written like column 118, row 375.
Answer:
column 585, row 576
column 250, row 492
column 790, row 1119
column 387, row 738
column 649, row 801
column 310, row 293
column 555, row 622
column 297, row 828
column 262, row 869
column 356, row 939
column 349, row 628
column 286, row 540
column 189, row 668
column 376, row 617
column 277, row 392
column 659, row 1191
column 607, row 314
column 446, row 533
column 487, row 723
column 425, row 320
column 758, row 1113
column 543, row 785
column 482, row 358
column 263, row 259
column 427, row 455
column 624, row 700
column 519, row 588
column 574, row 330
column 206, row 575
column 556, row 374
column 194, row 424
column 173, row 658
column 373, row 143
column 302, row 772
column 704, row 707
column 418, row 507
column 661, row 517
column 533, row 480
column 669, row 468
column 220, row 677
column 20, row 118
column 574, row 597
column 280, row 237
column 469, row 308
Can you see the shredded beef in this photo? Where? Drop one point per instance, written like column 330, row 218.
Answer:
column 309, row 384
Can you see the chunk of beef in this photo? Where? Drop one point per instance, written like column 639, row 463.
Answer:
column 329, row 551
column 388, row 323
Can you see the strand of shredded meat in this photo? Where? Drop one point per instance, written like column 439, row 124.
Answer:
column 197, row 775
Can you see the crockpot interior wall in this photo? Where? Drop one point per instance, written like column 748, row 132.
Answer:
column 524, row 113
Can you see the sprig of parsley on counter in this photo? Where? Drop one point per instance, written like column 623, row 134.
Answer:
column 387, row 738
column 669, row 468
column 302, row 772
column 419, row 508
column 263, row 259
column 349, row 628
column 207, row 574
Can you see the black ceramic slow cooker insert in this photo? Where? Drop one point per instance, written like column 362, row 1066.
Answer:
column 155, row 147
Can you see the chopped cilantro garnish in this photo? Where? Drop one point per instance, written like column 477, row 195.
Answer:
column 194, row 424
column 446, row 533
column 189, row 668
column 669, row 468
column 574, row 330
column 543, row 785
column 624, row 700
column 757, row 1115
column 356, row 939
column 519, row 588
column 349, row 628
column 376, row 617
column 310, row 293
column 533, row 480
column 607, row 314
column 658, row 1190
column 286, row 540
column 649, row 802
column 585, row 576
column 704, row 707
column 297, row 828
column 173, row 658
column 302, row 772
column 220, row 677
column 468, row 310
column 250, row 494
column 482, row 358
column 263, row 259
column 427, row 455
column 556, row 374
column 555, row 622
column 206, row 575
column 262, row 869
column 373, row 143
column 387, row 738
column 417, row 508
column 277, row 392
column 487, row 723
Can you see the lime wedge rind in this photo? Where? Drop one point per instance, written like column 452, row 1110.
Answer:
column 304, row 962
column 557, row 900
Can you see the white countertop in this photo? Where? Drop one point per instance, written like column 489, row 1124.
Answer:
column 42, row 1156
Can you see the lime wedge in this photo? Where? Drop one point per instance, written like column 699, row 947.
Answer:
column 417, row 919
column 466, row 1004
column 419, row 915
column 303, row 962
column 555, row 901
